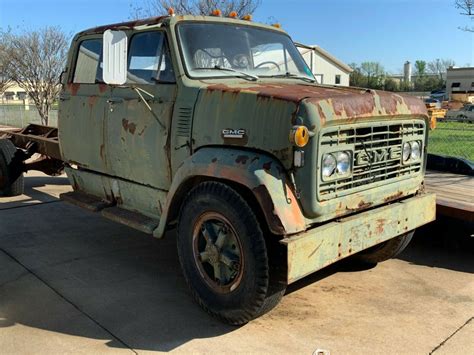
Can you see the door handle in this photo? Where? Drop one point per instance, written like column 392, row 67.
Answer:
column 115, row 100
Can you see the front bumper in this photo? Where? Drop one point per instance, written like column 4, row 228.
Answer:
column 319, row 247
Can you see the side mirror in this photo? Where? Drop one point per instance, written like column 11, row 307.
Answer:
column 115, row 57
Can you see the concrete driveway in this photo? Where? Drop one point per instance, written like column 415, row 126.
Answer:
column 72, row 282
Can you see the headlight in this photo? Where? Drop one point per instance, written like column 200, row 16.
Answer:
column 415, row 150
column 329, row 165
column 406, row 151
column 343, row 163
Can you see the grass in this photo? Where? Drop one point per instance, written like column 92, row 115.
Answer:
column 453, row 139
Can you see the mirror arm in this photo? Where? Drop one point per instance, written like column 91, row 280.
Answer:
column 139, row 92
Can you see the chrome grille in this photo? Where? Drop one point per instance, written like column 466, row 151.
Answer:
column 382, row 143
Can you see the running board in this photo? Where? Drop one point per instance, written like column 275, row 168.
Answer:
column 132, row 219
column 85, row 201
column 108, row 210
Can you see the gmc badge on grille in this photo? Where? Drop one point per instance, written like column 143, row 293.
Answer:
column 233, row 133
column 378, row 155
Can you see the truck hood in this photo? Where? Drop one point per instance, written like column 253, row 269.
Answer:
column 332, row 103
column 266, row 112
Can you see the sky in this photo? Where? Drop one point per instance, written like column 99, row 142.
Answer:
column 387, row 31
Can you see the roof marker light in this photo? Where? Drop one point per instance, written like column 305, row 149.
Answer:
column 276, row 25
column 217, row 13
column 171, row 11
column 247, row 17
column 233, row 14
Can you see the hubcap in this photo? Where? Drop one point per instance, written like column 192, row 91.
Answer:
column 217, row 252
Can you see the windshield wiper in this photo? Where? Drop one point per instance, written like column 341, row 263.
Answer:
column 241, row 73
column 293, row 76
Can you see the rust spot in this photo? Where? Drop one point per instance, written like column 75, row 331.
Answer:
column 102, row 88
column 73, row 88
column 242, row 159
column 363, row 205
column 380, row 226
column 394, row 197
column 129, row 126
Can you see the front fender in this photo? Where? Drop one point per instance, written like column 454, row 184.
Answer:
column 262, row 174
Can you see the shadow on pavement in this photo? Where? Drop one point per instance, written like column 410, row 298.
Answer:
column 128, row 282
column 33, row 191
column 445, row 243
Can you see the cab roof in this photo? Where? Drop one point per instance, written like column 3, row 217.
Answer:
column 171, row 20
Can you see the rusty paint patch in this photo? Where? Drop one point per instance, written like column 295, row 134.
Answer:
column 73, row 88
column 394, row 197
column 379, row 229
column 129, row 126
column 102, row 88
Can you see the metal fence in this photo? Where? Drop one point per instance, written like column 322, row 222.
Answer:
column 455, row 139
column 22, row 115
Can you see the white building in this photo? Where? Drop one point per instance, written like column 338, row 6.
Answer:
column 327, row 69
column 460, row 81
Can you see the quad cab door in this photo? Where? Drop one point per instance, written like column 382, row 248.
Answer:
column 138, row 122
column 83, row 107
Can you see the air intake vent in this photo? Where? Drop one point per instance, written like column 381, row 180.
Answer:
column 184, row 121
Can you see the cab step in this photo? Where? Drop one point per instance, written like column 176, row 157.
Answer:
column 132, row 219
column 83, row 200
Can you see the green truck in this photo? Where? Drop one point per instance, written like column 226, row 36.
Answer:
column 217, row 126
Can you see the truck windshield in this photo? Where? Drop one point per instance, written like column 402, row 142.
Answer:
column 213, row 50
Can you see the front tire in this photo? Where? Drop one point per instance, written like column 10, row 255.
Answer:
column 223, row 255
column 386, row 250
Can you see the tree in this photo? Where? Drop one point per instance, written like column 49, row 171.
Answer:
column 420, row 68
column 374, row 74
column 391, row 85
column 420, row 75
column 194, row 7
column 439, row 66
column 35, row 60
column 5, row 80
column 467, row 9
column 356, row 78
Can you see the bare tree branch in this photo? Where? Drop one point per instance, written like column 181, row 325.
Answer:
column 148, row 8
column 467, row 9
column 467, row 6
column 35, row 60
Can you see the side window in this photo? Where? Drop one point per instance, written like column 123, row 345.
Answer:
column 338, row 79
column 149, row 59
column 88, row 68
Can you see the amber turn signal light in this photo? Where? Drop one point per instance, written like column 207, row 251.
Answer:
column 299, row 136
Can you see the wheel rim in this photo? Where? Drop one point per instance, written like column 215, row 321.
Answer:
column 217, row 252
